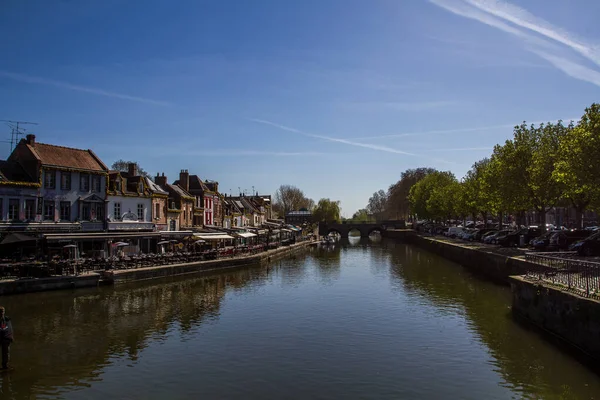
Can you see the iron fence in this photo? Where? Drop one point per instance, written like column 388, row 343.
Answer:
column 565, row 270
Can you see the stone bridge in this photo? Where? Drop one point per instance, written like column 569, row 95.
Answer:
column 365, row 228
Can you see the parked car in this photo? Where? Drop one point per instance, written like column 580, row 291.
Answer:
column 514, row 238
column 541, row 242
column 492, row 239
column 486, row 234
column 561, row 240
column 468, row 234
column 454, row 231
column 480, row 232
column 589, row 246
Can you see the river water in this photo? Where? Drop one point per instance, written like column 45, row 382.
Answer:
column 363, row 320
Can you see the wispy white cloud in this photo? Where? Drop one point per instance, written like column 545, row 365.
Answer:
column 519, row 22
column 332, row 139
column 344, row 141
column 523, row 18
column 65, row 85
column 571, row 68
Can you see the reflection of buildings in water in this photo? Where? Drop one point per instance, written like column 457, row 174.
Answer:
column 65, row 340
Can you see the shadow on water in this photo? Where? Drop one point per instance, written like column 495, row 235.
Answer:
column 71, row 337
column 523, row 359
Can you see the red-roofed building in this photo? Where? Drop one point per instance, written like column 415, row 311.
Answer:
column 72, row 183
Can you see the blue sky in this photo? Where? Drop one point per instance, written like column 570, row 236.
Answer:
column 337, row 97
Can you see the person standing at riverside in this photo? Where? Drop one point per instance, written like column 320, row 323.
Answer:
column 6, row 336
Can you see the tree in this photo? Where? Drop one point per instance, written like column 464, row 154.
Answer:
column 123, row 166
column 377, row 203
column 577, row 168
column 362, row 215
column 476, row 196
column 289, row 198
column 545, row 191
column 327, row 211
column 433, row 196
column 397, row 204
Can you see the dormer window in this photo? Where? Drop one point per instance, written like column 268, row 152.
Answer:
column 140, row 187
column 118, row 185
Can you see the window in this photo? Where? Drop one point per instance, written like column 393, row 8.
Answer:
column 65, row 180
column 118, row 185
column 117, row 211
column 13, row 209
column 157, row 210
column 49, row 210
column 65, row 210
column 85, row 212
column 191, row 215
column 140, row 212
column 84, row 183
column 99, row 214
column 49, row 179
column 95, row 183
column 30, row 209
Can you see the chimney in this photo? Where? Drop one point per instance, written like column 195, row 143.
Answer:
column 184, row 180
column 31, row 140
column 161, row 180
column 132, row 169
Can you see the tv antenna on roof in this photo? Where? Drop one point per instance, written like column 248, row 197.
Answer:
column 16, row 131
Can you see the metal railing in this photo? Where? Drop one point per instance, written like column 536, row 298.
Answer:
column 565, row 270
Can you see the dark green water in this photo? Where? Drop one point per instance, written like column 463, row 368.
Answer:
column 361, row 321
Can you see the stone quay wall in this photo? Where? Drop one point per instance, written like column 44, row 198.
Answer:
column 573, row 319
column 18, row 286
column 163, row 271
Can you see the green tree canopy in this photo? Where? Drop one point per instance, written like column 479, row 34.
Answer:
column 377, row 203
column 397, row 204
column 362, row 215
column 433, row 196
column 578, row 168
column 327, row 210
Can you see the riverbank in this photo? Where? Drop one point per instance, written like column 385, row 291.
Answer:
column 565, row 315
column 93, row 279
column 492, row 262
column 163, row 271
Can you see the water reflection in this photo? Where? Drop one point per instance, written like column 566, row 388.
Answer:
column 70, row 337
column 359, row 319
column 527, row 363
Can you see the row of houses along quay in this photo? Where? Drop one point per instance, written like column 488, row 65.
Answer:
column 60, row 205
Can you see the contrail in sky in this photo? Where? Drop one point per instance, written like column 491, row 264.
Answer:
column 65, row 85
column 344, row 141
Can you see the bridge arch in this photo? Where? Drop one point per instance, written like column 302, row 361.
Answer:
column 333, row 230
column 375, row 229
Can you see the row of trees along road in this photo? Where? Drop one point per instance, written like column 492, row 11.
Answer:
column 543, row 166
column 289, row 198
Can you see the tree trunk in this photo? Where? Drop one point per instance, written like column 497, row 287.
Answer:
column 579, row 217
column 542, row 218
